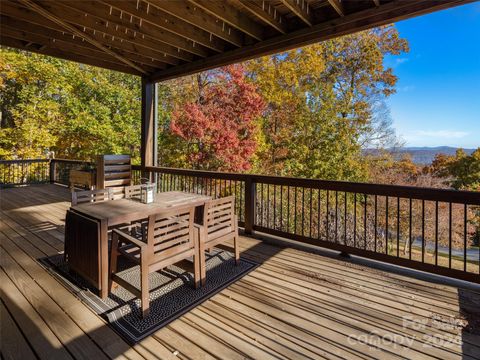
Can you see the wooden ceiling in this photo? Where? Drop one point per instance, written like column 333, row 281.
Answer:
column 161, row 39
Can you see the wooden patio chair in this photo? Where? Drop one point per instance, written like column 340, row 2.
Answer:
column 80, row 197
column 220, row 225
column 133, row 191
column 171, row 237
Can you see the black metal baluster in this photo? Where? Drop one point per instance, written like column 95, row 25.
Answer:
column 328, row 211
column 336, row 216
column 410, row 229
column 261, row 205
column 274, row 206
column 318, row 215
column 345, row 223
column 288, row 208
column 311, row 208
column 295, row 213
column 268, row 205
column 386, row 225
column 365, row 221
column 303, row 211
column 423, row 231
column 355, row 220
column 450, row 235
column 465, row 237
column 398, row 226
column 281, row 207
column 436, row 232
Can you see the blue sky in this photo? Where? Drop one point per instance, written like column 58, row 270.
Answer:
column 438, row 93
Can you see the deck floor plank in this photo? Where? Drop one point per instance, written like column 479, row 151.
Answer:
column 13, row 345
column 295, row 305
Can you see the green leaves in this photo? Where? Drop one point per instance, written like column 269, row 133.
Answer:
column 77, row 111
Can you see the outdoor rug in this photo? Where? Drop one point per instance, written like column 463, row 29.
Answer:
column 171, row 292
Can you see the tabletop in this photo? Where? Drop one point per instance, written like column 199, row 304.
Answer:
column 124, row 210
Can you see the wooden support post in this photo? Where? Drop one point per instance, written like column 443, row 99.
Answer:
column 148, row 149
column 250, row 195
column 52, row 171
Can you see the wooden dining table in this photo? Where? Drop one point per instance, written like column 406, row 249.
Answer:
column 89, row 256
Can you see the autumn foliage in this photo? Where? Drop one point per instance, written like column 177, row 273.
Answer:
column 219, row 126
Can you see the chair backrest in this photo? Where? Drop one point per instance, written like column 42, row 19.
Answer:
column 113, row 171
column 80, row 197
column 219, row 217
column 118, row 192
column 171, row 232
column 133, row 191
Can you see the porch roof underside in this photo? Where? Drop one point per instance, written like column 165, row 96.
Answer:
column 161, row 40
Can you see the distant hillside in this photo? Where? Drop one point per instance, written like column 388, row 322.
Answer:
column 424, row 155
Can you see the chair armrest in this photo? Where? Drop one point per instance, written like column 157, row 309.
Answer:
column 198, row 226
column 128, row 238
column 199, row 231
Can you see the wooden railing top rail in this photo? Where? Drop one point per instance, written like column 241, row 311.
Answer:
column 413, row 192
column 19, row 161
column 73, row 161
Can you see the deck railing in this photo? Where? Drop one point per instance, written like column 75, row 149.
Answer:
column 37, row 171
column 433, row 230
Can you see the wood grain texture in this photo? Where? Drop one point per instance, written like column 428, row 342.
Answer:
column 296, row 305
column 193, row 35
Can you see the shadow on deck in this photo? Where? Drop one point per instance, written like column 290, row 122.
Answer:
column 302, row 302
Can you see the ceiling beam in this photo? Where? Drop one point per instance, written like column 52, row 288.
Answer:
column 266, row 13
column 76, row 13
column 84, row 59
column 300, row 9
column 231, row 16
column 166, row 21
column 362, row 20
column 201, row 19
column 30, row 31
column 105, row 34
column 45, row 13
column 338, row 6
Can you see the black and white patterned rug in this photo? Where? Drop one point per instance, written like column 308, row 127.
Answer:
column 171, row 292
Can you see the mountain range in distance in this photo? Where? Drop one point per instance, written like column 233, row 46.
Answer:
column 423, row 155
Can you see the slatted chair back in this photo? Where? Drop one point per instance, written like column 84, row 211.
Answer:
column 133, row 191
column 91, row 196
column 170, row 237
column 113, row 171
column 219, row 217
column 118, row 192
column 220, row 226
column 171, row 233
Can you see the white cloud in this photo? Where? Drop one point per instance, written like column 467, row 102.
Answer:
column 401, row 60
column 406, row 88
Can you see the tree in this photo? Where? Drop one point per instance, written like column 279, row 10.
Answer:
column 219, row 126
column 324, row 104
column 74, row 110
column 465, row 170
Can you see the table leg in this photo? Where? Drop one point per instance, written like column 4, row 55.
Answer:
column 103, row 258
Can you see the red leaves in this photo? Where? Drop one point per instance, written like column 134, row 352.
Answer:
column 220, row 126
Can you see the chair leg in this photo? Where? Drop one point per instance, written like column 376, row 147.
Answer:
column 113, row 260
column 197, row 271
column 202, row 263
column 144, row 287
column 237, row 250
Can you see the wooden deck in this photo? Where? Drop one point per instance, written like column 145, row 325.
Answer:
column 295, row 305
